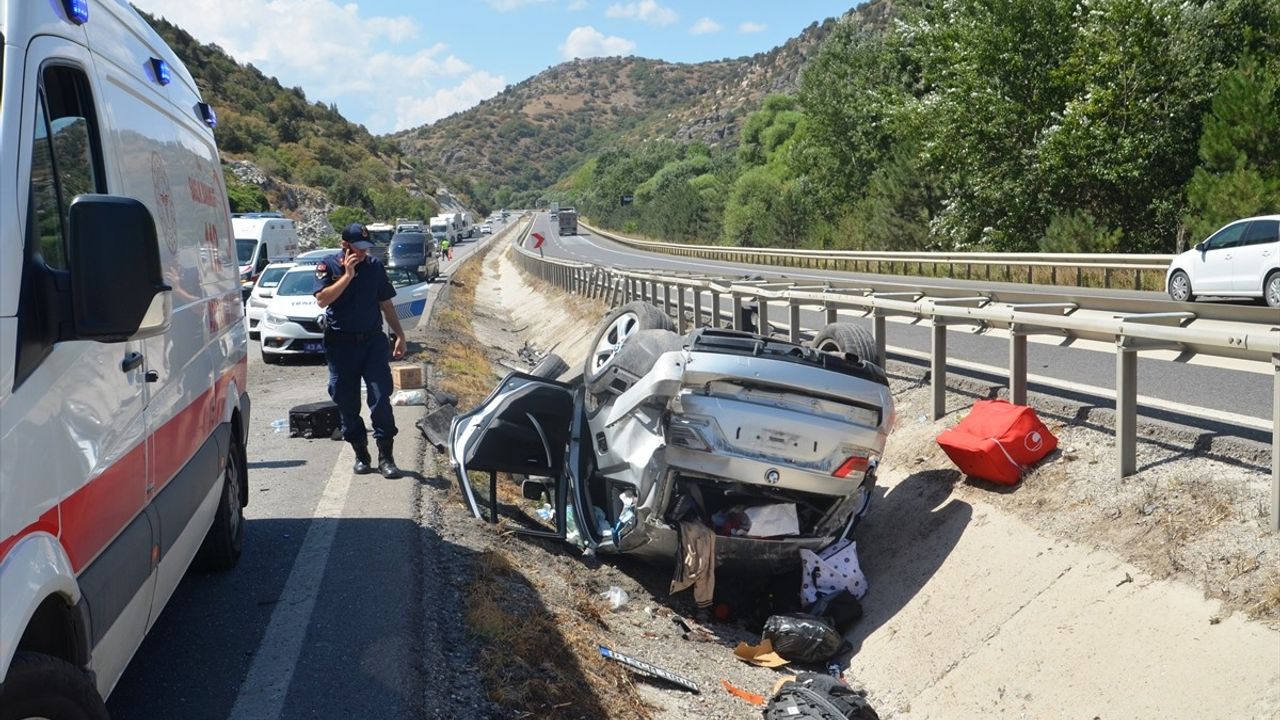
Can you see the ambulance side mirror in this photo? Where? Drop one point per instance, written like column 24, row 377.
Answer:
column 117, row 284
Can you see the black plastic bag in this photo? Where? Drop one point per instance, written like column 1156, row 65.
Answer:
column 802, row 638
column 842, row 608
column 814, row 696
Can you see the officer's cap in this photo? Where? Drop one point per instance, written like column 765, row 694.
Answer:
column 357, row 236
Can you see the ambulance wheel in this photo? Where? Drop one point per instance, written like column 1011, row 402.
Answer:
column 222, row 546
column 42, row 686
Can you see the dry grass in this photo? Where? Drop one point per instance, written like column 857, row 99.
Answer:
column 539, row 657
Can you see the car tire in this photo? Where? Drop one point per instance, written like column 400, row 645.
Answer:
column 1271, row 289
column 222, row 545
column 613, row 335
column 1180, row 287
column 847, row 338
column 42, row 686
column 271, row 358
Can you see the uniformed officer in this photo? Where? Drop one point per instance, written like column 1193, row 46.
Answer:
column 355, row 293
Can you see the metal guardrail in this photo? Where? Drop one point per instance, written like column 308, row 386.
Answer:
column 1133, row 325
column 1069, row 269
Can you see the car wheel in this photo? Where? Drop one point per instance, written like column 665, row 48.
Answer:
column 1271, row 289
column 42, row 686
column 1180, row 287
column 271, row 358
column 619, row 327
column 847, row 338
column 222, row 546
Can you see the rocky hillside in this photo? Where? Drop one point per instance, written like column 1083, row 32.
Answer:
column 530, row 135
column 281, row 152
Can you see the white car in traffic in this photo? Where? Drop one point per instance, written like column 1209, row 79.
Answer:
column 263, row 291
column 1240, row 260
column 293, row 323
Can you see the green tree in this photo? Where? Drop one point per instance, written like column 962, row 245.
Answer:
column 1239, row 174
column 344, row 216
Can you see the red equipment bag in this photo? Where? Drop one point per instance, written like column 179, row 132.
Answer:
column 997, row 441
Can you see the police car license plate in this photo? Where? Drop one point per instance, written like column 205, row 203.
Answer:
column 313, row 347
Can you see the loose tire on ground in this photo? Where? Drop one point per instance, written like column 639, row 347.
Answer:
column 41, row 686
column 843, row 337
column 1180, row 287
column 222, row 546
column 612, row 336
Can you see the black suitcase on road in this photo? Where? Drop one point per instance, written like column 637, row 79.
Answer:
column 314, row 420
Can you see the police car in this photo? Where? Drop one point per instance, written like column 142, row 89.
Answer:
column 293, row 323
column 263, row 291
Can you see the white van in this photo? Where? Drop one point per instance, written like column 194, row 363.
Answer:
column 260, row 241
column 123, row 360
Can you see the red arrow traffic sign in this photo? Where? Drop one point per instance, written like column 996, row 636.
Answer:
column 537, row 237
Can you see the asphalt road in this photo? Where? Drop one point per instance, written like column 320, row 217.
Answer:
column 1229, row 394
column 324, row 615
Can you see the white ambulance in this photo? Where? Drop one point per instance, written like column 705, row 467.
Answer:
column 123, row 361
column 261, row 239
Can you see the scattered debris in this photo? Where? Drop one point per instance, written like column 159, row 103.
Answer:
column 616, row 597
column 998, row 441
column 763, row 654
column 750, row 697
column 804, row 638
column 409, row 397
column 691, row 630
column 1127, row 579
column 814, row 696
column 435, row 425
column 648, row 669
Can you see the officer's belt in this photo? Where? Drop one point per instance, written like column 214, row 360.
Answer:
column 338, row 336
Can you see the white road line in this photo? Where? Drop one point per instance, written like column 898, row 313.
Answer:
column 263, row 693
column 1143, row 400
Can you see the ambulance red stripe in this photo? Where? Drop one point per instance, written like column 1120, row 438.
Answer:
column 98, row 511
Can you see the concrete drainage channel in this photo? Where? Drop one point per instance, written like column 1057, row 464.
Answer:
column 993, row 603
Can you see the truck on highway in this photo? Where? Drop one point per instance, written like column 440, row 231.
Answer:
column 123, row 403
column 441, row 228
column 568, row 221
column 380, row 234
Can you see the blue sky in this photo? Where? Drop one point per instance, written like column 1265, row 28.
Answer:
column 393, row 65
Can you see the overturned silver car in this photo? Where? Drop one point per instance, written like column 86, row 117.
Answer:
column 773, row 445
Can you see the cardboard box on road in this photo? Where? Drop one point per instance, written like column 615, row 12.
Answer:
column 406, row 377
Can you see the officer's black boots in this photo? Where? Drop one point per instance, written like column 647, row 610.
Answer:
column 363, row 461
column 386, row 463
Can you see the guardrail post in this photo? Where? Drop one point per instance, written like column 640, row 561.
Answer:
column 793, row 320
column 1275, row 444
column 832, row 313
column 697, row 307
column 739, row 313
column 682, row 325
column 1017, row 366
column 653, row 292
column 762, row 316
column 715, row 309
column 938, row 369
column 1126, row 408
column 881, row 328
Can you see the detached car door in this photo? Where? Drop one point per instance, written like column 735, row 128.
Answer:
column 509, row 454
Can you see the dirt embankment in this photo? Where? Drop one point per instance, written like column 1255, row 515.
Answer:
column 1075, row 594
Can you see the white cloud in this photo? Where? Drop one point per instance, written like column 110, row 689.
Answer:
column 414, row 111
column 705, row 26
column 646, row 11
column 367, row 64
column 586, row 42
column 509, row 5
column 751, row 27
column 578, row 5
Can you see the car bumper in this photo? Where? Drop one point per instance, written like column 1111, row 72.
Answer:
column 290, row 339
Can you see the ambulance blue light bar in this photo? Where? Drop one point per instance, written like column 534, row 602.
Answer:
column 161, row 68
column 77, row 11
column 208, row 115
